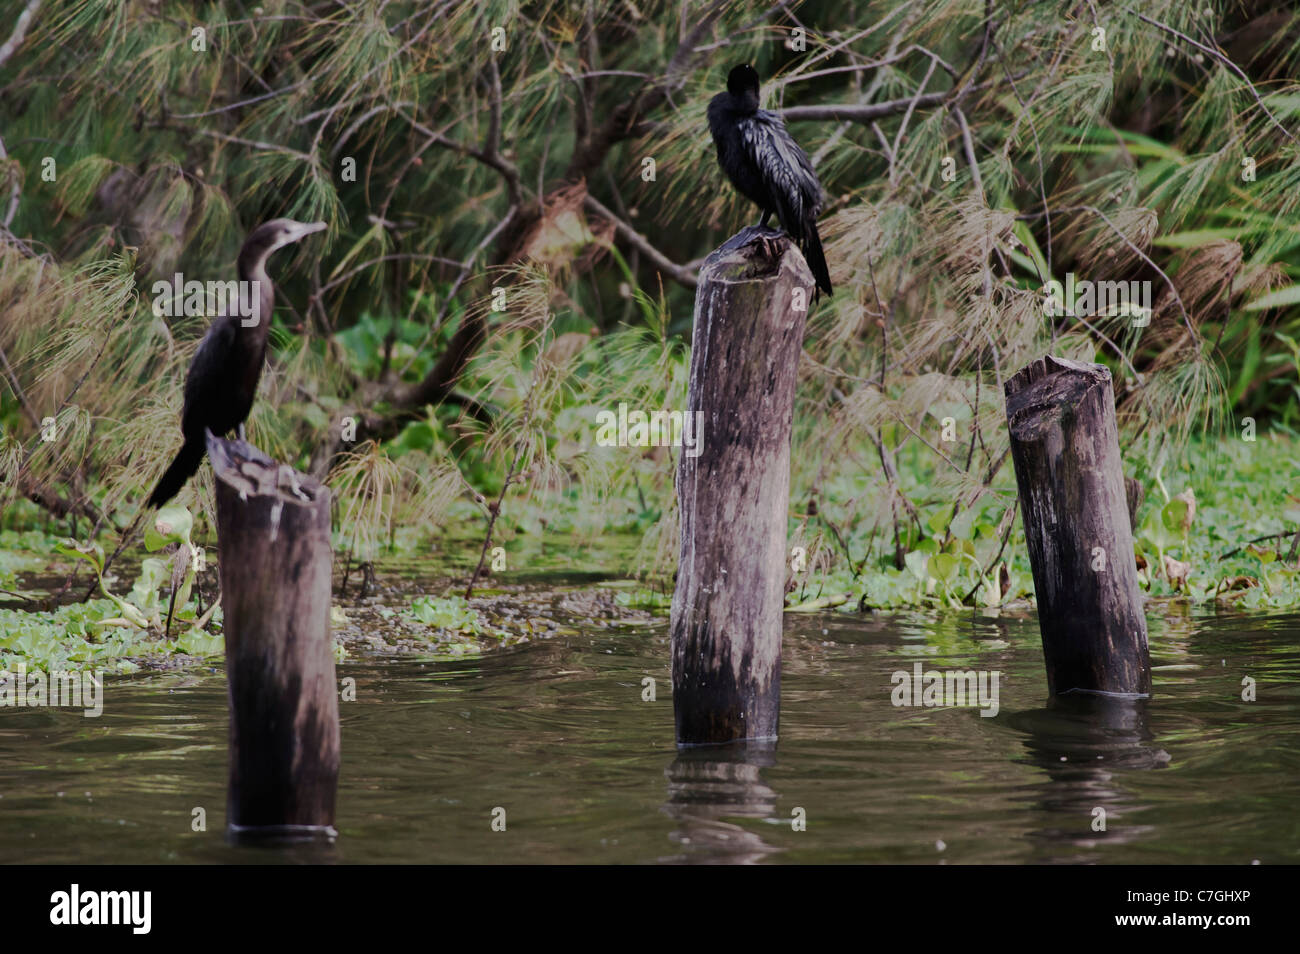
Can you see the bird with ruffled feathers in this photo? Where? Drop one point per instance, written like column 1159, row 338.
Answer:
column 767, row 166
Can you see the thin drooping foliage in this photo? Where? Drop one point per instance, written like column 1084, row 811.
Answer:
column 519, row 197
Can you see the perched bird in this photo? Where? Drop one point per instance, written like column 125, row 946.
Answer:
column 222, row 379
column 767, row 166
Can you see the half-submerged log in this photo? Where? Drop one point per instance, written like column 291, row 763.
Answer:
column 733, row 489
column 273, row 544
column 1065, row 447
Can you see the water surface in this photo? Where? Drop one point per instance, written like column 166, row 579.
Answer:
column 556, row 732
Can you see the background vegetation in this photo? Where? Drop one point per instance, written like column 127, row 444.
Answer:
column 970, row 151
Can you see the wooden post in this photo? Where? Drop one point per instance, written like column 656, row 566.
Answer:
column 1135, row 494
column 750, row 309
column 273, row 544
column 1066, row 451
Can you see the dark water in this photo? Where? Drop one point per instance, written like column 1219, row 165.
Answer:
column 557, row 734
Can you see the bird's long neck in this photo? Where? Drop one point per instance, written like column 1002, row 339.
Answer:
column 252, row 270
column 745, row 104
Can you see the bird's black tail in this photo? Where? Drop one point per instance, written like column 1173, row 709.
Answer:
column 181, row 470
column 812, row 252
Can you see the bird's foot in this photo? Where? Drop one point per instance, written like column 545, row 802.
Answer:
column 243, row 438
column 771, row 247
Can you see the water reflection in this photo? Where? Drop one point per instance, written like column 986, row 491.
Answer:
column 305, row 844
column 557, row 729
column 1086, row 743
column 707, row 786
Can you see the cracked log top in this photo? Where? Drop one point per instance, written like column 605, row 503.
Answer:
column 275, row 559
column 250, row 472
column 1065, row 448
column 750, row 310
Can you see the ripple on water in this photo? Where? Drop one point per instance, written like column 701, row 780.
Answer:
column 556, row 732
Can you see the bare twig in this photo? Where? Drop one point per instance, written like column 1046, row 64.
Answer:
column 10, row 46
column 494, row 511
column 238, row 105
column 1211, row 51
column 860, row 112
column 19, row 393
column 405, row 256
column 15, row 193
column 679, row 273
column 625, row 118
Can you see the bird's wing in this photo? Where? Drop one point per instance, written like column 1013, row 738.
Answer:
column 208, row 368
column 785, row 166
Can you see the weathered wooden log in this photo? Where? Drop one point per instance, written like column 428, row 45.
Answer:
column 1065, row 447
column 1135, row 493
column 733, row 489
column 273, row 544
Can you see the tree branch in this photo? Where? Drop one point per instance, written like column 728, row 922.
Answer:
column 679, row 273
column 15, row 40
column 1210, row 51
column 623, row 120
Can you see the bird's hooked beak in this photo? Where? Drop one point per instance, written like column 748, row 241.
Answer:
column 298, row 231
column 306, row 228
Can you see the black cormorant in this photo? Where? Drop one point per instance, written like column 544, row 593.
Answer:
column 223, row 376
column 762, row 160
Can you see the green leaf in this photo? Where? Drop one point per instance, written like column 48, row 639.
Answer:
column 1173, row 514
column 1262, row 554
column 943, row 567
column 1196, row 238
column 171, row 525
column 962, row 524
column 1155, row 533
column 92, row 553
column 1276, row 299
column 916, row 562
column 153, row 573
column 452, row 613
column 198, row 643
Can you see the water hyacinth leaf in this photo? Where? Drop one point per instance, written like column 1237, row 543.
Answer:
column 171, row 525
column 144, row 594
column 196, row 642
column 916, row 562
column 959, row 547
column 92, row 553
column 452, row 613
column 943, row 567
column 1263, row 554
column 962, row 524
column 1156, row 533
column 1174, row 515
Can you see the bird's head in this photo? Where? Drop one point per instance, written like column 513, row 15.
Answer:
column 277, row 233
column 742, row 82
